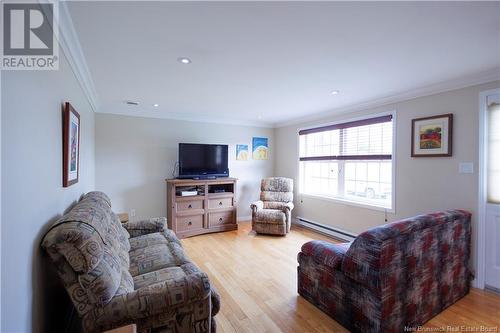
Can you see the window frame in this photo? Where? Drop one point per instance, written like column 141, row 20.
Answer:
column 342, row 199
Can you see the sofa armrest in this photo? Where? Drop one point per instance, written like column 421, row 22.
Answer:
column 325, row 253
column 157, row 298
column 288, row 206
column 143, row 227
column 257, row 205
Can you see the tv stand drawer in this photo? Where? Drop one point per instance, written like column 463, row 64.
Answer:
column 189, row 205
column 220, row 218
column 186, row 223
column 220, row 203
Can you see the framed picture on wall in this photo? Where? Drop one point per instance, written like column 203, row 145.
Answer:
column 241, row 152
column 260, row 148
column 432, row 136
column 71, row 145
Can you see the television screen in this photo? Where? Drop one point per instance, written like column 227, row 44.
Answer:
column 202, row 160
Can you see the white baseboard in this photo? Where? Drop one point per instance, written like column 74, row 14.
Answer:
column 336, row 233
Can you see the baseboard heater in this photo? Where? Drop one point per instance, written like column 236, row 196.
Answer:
column 326, row 229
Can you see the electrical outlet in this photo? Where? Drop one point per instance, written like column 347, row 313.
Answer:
column 132, row 213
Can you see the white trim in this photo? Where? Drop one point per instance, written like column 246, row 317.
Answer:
column 1, row 226
column 394, row 161
column 322, row 229
column 481, row 211
column 342, row 200
column 459, row 83
column 157, row 114
column 70, row 45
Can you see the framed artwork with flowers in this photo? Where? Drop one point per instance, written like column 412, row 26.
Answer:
column 432, row 136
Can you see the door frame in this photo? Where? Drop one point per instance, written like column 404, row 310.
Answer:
column 482, row 174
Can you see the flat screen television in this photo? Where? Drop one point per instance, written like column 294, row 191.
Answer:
column 202, row 160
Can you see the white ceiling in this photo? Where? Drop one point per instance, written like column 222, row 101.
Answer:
column 273, row 62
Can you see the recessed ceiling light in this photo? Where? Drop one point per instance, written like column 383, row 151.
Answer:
column 156, row 105
column 335, row 92
column 184, row 60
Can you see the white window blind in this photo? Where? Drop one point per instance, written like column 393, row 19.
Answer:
column 350, row 161
column 493, row 185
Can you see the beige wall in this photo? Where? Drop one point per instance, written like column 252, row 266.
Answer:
column 134, row 155
column 422, row 184
column 32, row 192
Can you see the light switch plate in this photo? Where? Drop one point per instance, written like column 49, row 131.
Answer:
column 466, row 167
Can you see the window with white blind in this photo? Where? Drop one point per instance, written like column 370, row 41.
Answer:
column 351, row 161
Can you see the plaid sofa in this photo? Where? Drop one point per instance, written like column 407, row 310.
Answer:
column 132, row 273
column 390, row 277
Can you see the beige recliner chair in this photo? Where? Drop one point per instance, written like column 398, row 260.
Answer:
column 272, row 214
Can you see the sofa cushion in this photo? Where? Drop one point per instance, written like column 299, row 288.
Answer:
column 121, row 233
column 97, row 196
column 272, row 216
column 126, row 283
column 101, row 283
column 274, row 205
column 185, row 300
column 325, row 253
column 82, row 234
column 156, row 238
column 148, row 226
column 155, row 257
column 168, row 273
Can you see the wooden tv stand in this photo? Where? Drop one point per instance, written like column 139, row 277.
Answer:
column 213, row 209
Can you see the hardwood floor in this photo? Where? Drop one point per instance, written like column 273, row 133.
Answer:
column 256, row 277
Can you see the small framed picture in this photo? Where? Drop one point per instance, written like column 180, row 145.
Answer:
column 241, row 152
column 432, row 136
column 71, row 145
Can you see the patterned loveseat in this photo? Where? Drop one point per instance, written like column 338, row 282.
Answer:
column 392, row 276
column 113, row 280
column 272, row 214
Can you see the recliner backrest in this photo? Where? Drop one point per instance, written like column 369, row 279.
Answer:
column 276, row 189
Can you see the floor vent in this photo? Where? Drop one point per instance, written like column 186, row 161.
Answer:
column 326, row 229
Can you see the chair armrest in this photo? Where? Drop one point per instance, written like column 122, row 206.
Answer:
column 143, row 227
column 288, row 206
column 325, row 253
column 257, row 205
column 161, row 297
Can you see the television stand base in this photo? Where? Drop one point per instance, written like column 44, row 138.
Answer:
column 213, row 209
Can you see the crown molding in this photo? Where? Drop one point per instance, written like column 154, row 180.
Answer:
column 70, row 45
column 444, row 86
column 199, row 118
